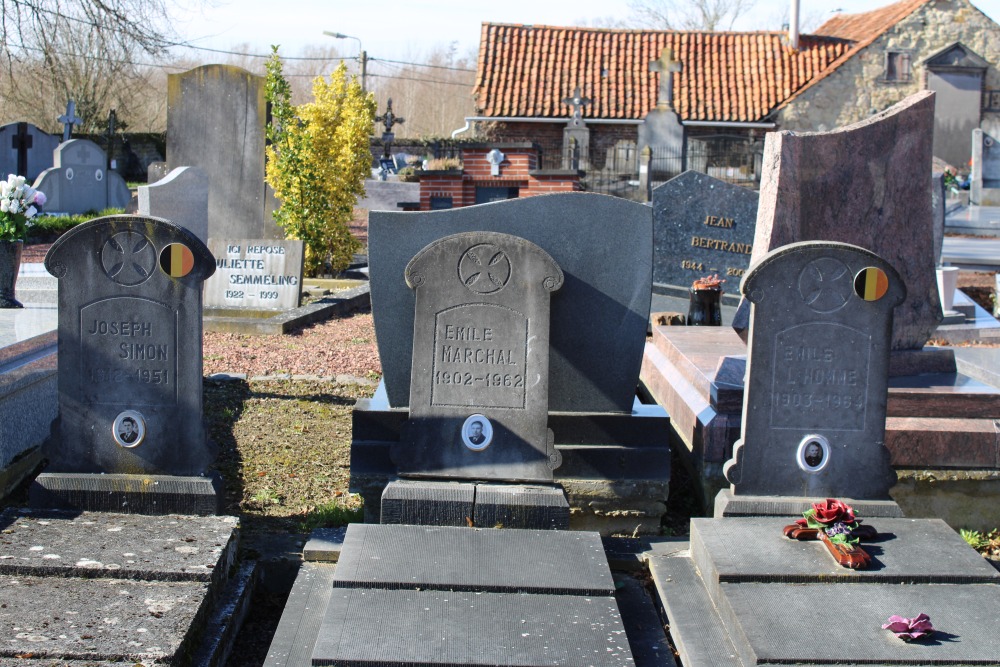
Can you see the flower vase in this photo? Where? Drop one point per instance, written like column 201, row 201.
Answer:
column 705, row 308
column 10, row 264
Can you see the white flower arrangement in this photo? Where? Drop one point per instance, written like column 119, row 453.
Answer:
column 17, row 206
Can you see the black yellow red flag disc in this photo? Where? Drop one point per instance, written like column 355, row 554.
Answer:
column 176, row 260
column 871, row 283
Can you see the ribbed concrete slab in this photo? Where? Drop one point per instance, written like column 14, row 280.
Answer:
column 123, row 546
column 295, row 636
column 98, row 619
column 428, row 503
column 907, row 551
column 778, row 623
column 695, row 626
column 405, row 627
column 521, row 506
column 480, row 559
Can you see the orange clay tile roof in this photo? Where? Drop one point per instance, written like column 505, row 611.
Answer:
column 861, row 30
column 726, row 76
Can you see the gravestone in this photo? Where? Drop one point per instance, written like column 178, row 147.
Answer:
column 576, row 134
column 701, row 226
column 985, row 185
column 78, row 181
column 597, row 349
column 873, row 190
column 216, row 117
column 25, row 150
column 479, row 381
column 661, row 128
column 255, row 274
column 130, row 361
column 815, row 400
column 180, row 197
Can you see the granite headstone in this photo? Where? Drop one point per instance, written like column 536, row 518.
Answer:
column 25, row 150
column 130, row 360
column 701, row 226
column 180, row 197
column 603, row 246
column 984, row 189
column 479, row 380
column 79, row 182
column 255, row 274
column 866, row 184
column 815, row 403
column 216, row 117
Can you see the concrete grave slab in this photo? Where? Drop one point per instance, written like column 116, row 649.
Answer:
column 480, row 559
column 324, row 545
column 428, row 502
column 405, row 627
column 701, row 226
column 99, row 619
column 479, row 380
column 908, row 551
column 595, row 351
column 302, row 617
column 521, row 506
column 125, row 493
column 122, row 546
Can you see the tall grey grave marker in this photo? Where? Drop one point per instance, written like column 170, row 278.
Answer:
column 701, row 226
column 866, row 184
column 78, row 181
column 815, row 403
column 985, row 185
column 216, row 115
column 130, row 362
column 597, row 350
column 479, row 381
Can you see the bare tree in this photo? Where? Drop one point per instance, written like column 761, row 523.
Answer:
column 688, row 14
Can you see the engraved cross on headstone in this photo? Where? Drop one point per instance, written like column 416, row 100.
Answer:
column 21, row 141
column 388, row 119
column 665, row 66
column 577, row 102
column 69, row 119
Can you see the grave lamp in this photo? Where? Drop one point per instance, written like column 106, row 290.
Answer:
column 362, row 54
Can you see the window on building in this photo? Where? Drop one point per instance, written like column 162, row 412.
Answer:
column 897, row 66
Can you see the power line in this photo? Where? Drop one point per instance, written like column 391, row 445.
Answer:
column 409, row 78
column 403, row 62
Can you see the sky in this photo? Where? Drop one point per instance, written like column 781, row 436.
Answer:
column 410, row 30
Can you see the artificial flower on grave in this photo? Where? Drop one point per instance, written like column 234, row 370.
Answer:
column 18, row 202
column 835, row 518
column 909, row 628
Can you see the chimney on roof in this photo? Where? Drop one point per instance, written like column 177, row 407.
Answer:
column 793, row 25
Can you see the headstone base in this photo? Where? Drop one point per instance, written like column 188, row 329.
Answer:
column 518, row 506
column 127, row 494
column 727, row 504
column 428, row 503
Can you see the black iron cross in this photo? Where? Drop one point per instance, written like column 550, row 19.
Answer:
column 577, row 102
column 69, row 119
column 21, row 142
column 388, row 119
column 666, row 66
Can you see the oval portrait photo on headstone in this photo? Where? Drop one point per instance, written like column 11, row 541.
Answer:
column 129, row 429
column 813, row 453
column 477, row 433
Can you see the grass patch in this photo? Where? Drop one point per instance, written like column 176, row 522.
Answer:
column 50, row 227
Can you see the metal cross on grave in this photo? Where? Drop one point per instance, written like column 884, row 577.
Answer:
column 69, row 119
column 665, row 66
column 577, row 102
column 21, row 141
column 388, row 119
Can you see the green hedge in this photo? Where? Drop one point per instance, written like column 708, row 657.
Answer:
column 51, row 227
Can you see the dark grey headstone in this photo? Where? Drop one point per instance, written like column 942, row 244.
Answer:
column 866, row 184
column 428, row 503
column 407, row 627
column 818, row 364
column 79, row 180
column 602, row 244
column 130, row 360
column 701, row 226
column 521, row 506
column 216, row 115
column 476, row 559
column 25, row 145
column 255, row 274
column 479, row 381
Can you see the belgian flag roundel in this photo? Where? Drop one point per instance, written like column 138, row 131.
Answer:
column 871, row 283
column 176, row 260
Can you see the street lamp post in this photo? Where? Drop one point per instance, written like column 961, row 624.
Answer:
column 362, row 54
